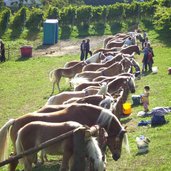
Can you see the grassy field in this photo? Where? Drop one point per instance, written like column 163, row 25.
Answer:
column 25, row 87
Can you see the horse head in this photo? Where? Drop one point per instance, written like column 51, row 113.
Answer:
column 116, row 132
column 114, row 141
column 131, row 84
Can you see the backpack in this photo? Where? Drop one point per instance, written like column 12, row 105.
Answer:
column 157, row 120
column 150, row 55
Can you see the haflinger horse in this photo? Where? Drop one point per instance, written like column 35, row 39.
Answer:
column 40, row 132
column 130, row 49
column 71, row 63
column 106, row 78
column 63, row 96
column 114, row 69
column 127, row 50
column 96, row 66
column 85, row 114
column 126, row 82
column 97, row 100
column 96, row 58
column 56, row 74
column 114, row 43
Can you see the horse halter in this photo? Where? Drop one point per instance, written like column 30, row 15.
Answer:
column 118, row 135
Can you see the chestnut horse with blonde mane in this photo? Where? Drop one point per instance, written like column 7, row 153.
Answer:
column 82, row 113
column 114, row 69
column 96, row 58
column 62, row 97
column 56, row 74
column 96, row 66
column 40, row 132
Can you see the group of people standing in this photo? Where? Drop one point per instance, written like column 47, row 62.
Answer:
column 2, row 51
column 85, row 49
column 148, row 54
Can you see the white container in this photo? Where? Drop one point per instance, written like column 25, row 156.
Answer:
column 155, row 70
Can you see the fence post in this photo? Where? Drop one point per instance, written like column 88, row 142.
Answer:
column 79, row 150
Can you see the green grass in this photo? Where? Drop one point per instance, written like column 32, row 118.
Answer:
column 25, row 87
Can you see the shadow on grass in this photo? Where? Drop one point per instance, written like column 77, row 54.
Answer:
column 22, row 59
column 49, row 166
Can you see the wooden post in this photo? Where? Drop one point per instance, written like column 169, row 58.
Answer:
column 79, row 150
column 80, row 138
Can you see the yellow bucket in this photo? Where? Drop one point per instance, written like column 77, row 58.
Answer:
column 127, row 108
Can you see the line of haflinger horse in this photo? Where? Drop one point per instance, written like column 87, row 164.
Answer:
column 101, row 85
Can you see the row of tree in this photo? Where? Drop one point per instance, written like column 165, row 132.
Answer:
column 83, row 16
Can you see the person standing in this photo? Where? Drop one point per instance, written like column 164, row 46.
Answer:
column 145, row 98
column 128, row 42
column 145, row 59
column 87, row 49
column 150, row 56
column 83, row 50
column 2, row 49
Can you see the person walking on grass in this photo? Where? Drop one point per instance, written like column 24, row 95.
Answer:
column 83, row 50
column 150, row 57
column 87, row 49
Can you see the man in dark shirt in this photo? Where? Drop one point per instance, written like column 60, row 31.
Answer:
column 87, row 49
column 82, row 48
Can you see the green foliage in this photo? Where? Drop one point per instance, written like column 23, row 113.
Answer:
column 115, row 13
column 162, row 18
column 165, row 3
column 4, row 20
column 67, row 15
column 84, row 14
column 19, row 19
column 53, row 13
column 99, row 14
column 35, row 19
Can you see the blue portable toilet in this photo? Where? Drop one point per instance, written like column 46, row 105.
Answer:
column 50, row 30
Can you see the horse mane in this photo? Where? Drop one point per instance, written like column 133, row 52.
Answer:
column 94, row 153
column 105, row 118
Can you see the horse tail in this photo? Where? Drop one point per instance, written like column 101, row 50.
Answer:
column 20, row 149
column 78, row 80
column 52, row 77
column 4, row 131
column 94, row 152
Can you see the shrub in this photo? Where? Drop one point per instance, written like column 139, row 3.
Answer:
column 4, row 20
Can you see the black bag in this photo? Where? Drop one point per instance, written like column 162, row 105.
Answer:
column 157, row 120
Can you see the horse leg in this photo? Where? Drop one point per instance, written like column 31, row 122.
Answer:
column 28, row 164
column 66, row 158
column 53, row 87
column 58, row 75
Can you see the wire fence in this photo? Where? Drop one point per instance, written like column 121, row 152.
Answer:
column 12, row 53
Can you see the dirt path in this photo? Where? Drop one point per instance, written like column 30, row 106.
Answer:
column 64, row 47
